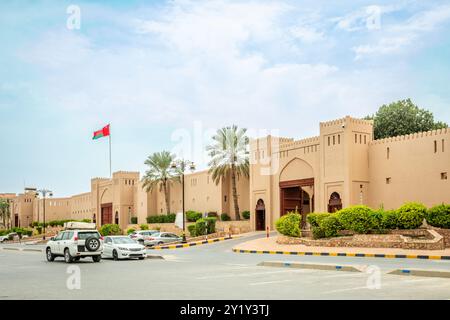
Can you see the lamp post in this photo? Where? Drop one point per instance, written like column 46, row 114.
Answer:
column 44, row 193
column 181, row 166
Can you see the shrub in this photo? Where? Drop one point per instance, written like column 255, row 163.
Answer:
column 134, row 220
column 314, row 218
column 164, row 218
column 34, row 224
column 225, row 217
column 130, row 230
column 411, row 215
column 200, row 227
column 439, row 216
column 330, row 226
column 86, row 220
column 110, row 229
column 211, row 224
column 144, row 226
column 193, row 216
column 389, row 219
column 192, row 230
column 246, row 215
column 289, row 224
column 359, row 219
column 212, row 214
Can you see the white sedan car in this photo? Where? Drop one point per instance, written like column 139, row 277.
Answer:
column 122, row 247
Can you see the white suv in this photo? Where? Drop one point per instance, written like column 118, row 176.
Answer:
column 74, row 244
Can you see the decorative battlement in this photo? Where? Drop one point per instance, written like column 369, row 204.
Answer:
column 345, row 120
column 300, row 143
column 412, row 136
column 125, row 172
column 334, row 122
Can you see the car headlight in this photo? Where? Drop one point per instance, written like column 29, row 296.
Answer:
column 122, row 248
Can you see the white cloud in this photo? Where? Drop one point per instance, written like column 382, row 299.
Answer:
column 397, row 37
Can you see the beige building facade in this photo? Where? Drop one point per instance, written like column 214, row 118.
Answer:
column 340, row 167
column 344, row 166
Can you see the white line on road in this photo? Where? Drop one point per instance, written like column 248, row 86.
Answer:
column 268, row 282
column 249, row 274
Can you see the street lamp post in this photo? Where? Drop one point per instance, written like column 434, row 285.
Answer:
column 44, row 193
column 181, row 167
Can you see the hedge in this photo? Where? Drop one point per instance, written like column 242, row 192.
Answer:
column 289, row 224
column 439, row 216
column 246, row 215
column 110, row 230
column 134, row 220
column 225, row 217
column 411, row 215
column 165, row 218
column 193, row 216
column 359, row 219
column 202, row 227
column 143, row 226
column 131, row 230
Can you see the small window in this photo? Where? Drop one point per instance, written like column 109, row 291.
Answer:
column 365, row 139
column 334, row 140
column 388, row 153
column 444, row 176
column 435, row 146
column 339, row 139
column 329, row 139
column 360, row 139
column 388, row 180
column 356, row 138
column 443, row 145
column 225, row 198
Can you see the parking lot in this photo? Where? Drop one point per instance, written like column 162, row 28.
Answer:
column 212, row 272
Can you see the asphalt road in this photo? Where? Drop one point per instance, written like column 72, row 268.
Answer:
column 213, row 272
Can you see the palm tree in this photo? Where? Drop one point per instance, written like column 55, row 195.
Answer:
column 229, row 155
column 4, row 211
column 159, row 173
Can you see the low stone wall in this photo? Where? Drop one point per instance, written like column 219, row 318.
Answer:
column 420, row 239
column 223, row 227
column 445, row 233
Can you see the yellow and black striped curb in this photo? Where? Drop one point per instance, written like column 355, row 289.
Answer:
column 190, row 244
column 344, row 254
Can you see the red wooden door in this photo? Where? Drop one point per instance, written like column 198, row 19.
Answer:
column 106, row 214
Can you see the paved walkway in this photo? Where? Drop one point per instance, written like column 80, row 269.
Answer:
column 269, row 245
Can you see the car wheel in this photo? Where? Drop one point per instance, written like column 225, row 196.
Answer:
column 97, row 258
column 67, row 257
column 76, row 259
column 50, row 256
column 160, row 243
column 115, row 255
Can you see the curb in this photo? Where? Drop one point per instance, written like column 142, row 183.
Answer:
column 421, row 273
column 357, row 255
column 317, row 266
column 190, row 244
column 22, row 249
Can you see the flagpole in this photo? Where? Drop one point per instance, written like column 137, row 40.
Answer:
column 110, row 171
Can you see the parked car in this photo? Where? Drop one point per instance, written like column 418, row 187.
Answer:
column 122, row 247
column 161, row 238
column 78, row 240
column 4, row 238
column 141, row 235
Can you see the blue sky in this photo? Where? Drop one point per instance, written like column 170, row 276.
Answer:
column 167, row 73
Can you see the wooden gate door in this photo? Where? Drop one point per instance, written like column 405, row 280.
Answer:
column 106, row 213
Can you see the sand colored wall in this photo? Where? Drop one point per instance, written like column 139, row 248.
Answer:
column 414, row 166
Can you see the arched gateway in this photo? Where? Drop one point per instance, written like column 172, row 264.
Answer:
column 297, row 188
column 260, row 215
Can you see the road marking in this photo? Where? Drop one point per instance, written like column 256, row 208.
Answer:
column 237, row 265
column 343, row 290
column 251, row 274
column 267, row 282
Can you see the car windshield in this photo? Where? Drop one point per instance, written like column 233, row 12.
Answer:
column 123, row 240
column 85, row 235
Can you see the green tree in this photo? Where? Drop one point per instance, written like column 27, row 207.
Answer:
column 159, row 174
column 229, row 155
column 5, row 212
column 403, row 117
